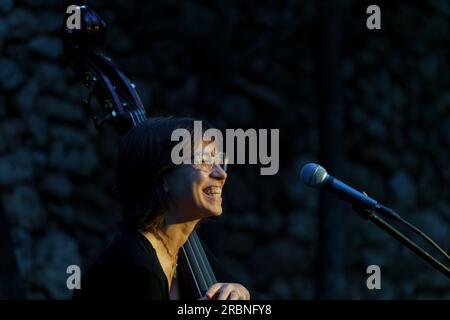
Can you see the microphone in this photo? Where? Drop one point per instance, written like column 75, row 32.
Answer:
column 313, row 175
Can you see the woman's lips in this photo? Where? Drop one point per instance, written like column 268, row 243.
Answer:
column 213, row 192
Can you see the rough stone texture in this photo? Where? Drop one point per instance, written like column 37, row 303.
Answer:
column 24, row 208
column 23, row 243
column 53, row 254
column 235, row 64
column 10, row 74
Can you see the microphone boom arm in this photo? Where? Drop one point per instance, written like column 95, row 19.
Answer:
column 394, row 232
column 314, row 175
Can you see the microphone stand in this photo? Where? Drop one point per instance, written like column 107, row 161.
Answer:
column 394, row 232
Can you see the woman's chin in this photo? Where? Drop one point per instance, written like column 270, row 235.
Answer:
column 211, row 206
column 212, row 212
column 217, row 213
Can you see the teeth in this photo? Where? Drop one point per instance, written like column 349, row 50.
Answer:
column 213, row 190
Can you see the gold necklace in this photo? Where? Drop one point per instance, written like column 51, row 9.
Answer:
column 172, row 256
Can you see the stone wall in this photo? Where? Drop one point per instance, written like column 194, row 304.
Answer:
column 236, row 64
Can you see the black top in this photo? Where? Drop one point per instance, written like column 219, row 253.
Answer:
column 129, row 268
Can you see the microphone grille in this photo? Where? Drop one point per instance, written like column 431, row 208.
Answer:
column 313, row 175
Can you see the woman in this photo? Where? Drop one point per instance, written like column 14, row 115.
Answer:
column 162, row 205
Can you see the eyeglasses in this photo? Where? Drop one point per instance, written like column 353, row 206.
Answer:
column 202, row 161
column 205, row 161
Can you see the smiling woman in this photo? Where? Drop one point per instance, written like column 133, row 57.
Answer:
column 162, row 204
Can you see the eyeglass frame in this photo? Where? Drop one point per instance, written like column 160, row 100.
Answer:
column 223, row 166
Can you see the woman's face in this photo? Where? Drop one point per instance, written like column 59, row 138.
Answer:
column 195, row 190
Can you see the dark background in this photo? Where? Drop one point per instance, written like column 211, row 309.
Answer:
column 371, row 106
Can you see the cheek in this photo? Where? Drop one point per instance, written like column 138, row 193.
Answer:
column 187, row 187
column 199, row 182
column 194, row 192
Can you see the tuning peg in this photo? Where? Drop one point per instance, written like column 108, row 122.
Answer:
column 108, row 104
column 99, row 124
column 90, row 80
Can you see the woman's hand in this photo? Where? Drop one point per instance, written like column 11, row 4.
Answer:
column 226, row 291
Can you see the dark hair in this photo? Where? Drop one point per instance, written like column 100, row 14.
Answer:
column 143, row 153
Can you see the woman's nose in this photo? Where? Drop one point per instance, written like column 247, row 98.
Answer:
column 218, row 172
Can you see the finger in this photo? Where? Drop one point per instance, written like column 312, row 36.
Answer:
column 225, row 292
column 234, row 295
column 246, row 294
column 213, row 290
